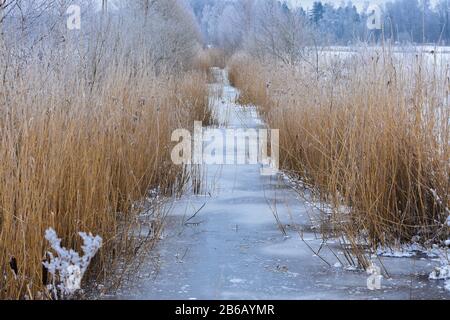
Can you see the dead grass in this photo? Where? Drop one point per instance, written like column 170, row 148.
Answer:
column 369, row 132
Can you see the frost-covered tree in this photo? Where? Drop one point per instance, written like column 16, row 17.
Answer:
column 279, row 33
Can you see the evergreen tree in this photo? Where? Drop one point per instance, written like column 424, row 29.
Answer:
column 317, row 12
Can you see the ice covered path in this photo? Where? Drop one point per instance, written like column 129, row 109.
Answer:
column 234, row 249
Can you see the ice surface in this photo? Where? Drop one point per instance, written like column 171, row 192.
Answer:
column 235, row 249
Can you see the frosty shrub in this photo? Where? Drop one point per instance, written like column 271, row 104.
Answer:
column 67, row 267
column 442, row 272
column 367, row 132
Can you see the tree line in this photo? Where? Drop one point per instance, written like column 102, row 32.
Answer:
column 163, row 32
column 225, row 23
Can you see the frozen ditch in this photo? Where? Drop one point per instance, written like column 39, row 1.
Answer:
column 226, row 243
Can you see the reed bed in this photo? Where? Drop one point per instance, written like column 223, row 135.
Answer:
column 79, row 146
column 369, row 133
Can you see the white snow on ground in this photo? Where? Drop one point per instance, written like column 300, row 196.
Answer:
column 67, row 267
column 399, row 251
column 442, row 272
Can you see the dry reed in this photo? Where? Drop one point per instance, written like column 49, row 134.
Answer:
column 369, row 132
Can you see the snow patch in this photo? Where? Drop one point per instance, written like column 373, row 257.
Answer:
column 443, row 271
column 67, row 267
